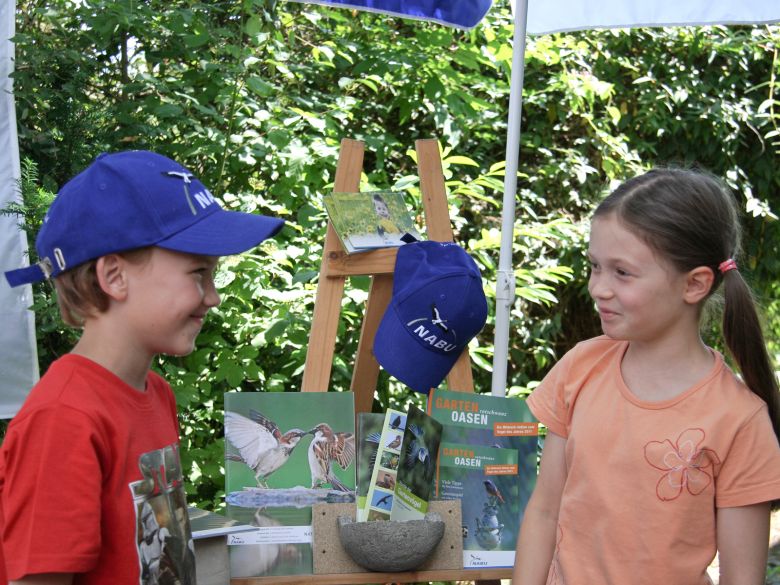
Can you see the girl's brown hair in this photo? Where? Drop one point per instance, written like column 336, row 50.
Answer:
column 691, row 219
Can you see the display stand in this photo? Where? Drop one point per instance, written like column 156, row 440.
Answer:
column 336, row 267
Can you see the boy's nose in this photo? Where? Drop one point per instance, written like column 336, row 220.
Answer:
column 211, row 297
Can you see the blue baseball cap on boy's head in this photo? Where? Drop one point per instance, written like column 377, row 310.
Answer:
column 437, row 307
column 132, row 200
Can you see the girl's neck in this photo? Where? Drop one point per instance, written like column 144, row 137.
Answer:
column 659, row 372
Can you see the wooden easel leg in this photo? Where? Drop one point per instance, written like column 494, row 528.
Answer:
column 366, row 371
column 330, row 289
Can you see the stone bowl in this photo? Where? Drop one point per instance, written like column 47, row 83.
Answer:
column 388, row 546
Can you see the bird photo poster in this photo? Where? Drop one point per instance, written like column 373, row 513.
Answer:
column 419, row 451
column 284, row 452
column 488, row 461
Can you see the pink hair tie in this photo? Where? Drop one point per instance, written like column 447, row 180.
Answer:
column 727, row 265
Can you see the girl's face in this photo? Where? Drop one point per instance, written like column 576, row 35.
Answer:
column 638, row 294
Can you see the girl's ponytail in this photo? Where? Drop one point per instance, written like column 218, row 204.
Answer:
column 745, row 340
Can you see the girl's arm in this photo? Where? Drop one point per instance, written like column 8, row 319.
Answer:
column 539, row 530
column 743, row 543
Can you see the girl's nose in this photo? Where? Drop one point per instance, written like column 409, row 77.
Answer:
column 598, row 287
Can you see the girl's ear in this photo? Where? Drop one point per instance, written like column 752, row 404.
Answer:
column 112, row 276
column 698, row 284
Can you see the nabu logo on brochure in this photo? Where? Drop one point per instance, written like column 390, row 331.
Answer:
column 203, row 197
column 434, row 330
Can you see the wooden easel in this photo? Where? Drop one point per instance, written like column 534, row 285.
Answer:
column 336, row 266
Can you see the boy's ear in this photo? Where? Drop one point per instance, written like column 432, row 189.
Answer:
column 698, row 284
column 112, row 276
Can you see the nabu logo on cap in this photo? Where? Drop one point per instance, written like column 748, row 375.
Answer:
column 203, row 197
column 434, row 331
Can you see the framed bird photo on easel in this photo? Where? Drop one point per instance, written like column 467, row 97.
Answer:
column 284, row 452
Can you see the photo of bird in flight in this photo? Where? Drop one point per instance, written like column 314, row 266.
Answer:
column 417, row 453
column 328, row 446
column 260, row 443
column 419, row 450
column 385, row 501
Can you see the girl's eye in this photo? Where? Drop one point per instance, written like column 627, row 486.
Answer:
column 621, row 272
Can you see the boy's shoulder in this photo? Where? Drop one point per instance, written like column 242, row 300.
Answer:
column 74, row 383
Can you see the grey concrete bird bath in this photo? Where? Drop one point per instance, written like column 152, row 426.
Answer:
column 388, row 546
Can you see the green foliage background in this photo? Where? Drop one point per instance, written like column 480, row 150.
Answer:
column 254, row 96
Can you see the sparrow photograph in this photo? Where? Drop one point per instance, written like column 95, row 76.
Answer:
column 327, row 450
column 259, row 443
column 394, row 443
column 284, row 440
column 385, row 480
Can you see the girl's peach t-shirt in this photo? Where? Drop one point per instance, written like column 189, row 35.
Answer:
column 644, row 479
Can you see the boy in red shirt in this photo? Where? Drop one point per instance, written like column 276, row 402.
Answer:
column 91, row 487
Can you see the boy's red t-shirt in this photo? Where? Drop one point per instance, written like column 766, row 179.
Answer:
column 91, row 483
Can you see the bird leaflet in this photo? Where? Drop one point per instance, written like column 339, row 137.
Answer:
column 487, row 460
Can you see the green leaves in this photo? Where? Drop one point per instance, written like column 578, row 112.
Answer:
column 255, row 98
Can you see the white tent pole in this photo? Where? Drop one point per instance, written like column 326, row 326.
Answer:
column 505, row 277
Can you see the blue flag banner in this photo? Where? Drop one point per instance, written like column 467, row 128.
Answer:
column 463, row 14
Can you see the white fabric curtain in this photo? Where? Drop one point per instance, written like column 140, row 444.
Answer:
column 546, row 16
column 18, row 355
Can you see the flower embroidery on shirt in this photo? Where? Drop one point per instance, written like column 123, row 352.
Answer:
column 683, row 463
column 555, row 574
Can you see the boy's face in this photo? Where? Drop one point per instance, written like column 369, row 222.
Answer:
column 168, row 298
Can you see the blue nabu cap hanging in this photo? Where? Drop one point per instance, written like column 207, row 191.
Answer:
column 437, row 307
